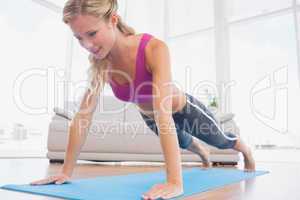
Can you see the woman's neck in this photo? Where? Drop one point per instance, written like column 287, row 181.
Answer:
column 121, row 49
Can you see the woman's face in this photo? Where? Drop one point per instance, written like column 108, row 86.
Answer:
column 94, row 34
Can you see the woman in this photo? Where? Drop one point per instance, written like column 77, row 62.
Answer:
column 137, row 67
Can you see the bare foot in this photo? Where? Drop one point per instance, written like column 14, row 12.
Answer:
column 206, row 164
column 249, row 163
column 197, row 148
column 204, row 153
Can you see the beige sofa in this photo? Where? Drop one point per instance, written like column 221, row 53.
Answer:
column 118, row 133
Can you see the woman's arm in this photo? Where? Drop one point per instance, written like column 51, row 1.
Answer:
column 78, row 131
column 159, row 61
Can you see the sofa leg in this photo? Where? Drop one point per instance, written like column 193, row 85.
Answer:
column 224, row 164
column 53, row 161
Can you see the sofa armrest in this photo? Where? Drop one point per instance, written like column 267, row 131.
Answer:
column 67, row 114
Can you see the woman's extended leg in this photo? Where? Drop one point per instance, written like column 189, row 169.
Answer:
column 197, row 148
column 196, row 121
column 200, row 122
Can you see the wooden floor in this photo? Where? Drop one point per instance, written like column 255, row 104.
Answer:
column 281, row 183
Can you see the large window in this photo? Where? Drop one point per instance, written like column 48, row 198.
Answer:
column 192, row 46
column 193, row 63
column 264, row 67
column 78, row 70
column 238, row 9
column 145, row 16
column 33, row 40
column 189, row 16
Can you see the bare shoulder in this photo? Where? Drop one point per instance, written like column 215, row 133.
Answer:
column 155, row 45
column 154, row 49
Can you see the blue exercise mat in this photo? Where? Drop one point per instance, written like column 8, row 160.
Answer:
column 132, row 186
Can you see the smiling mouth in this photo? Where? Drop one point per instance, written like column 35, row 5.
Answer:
column 95, row 53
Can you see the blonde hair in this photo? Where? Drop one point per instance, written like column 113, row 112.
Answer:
column 102, row 9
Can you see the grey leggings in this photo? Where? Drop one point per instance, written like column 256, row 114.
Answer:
column 194, row 119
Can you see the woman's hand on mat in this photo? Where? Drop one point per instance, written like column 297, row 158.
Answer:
column 57, row 179
column 164, row 191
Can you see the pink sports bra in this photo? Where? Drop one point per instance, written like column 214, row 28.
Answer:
column 140, row 89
